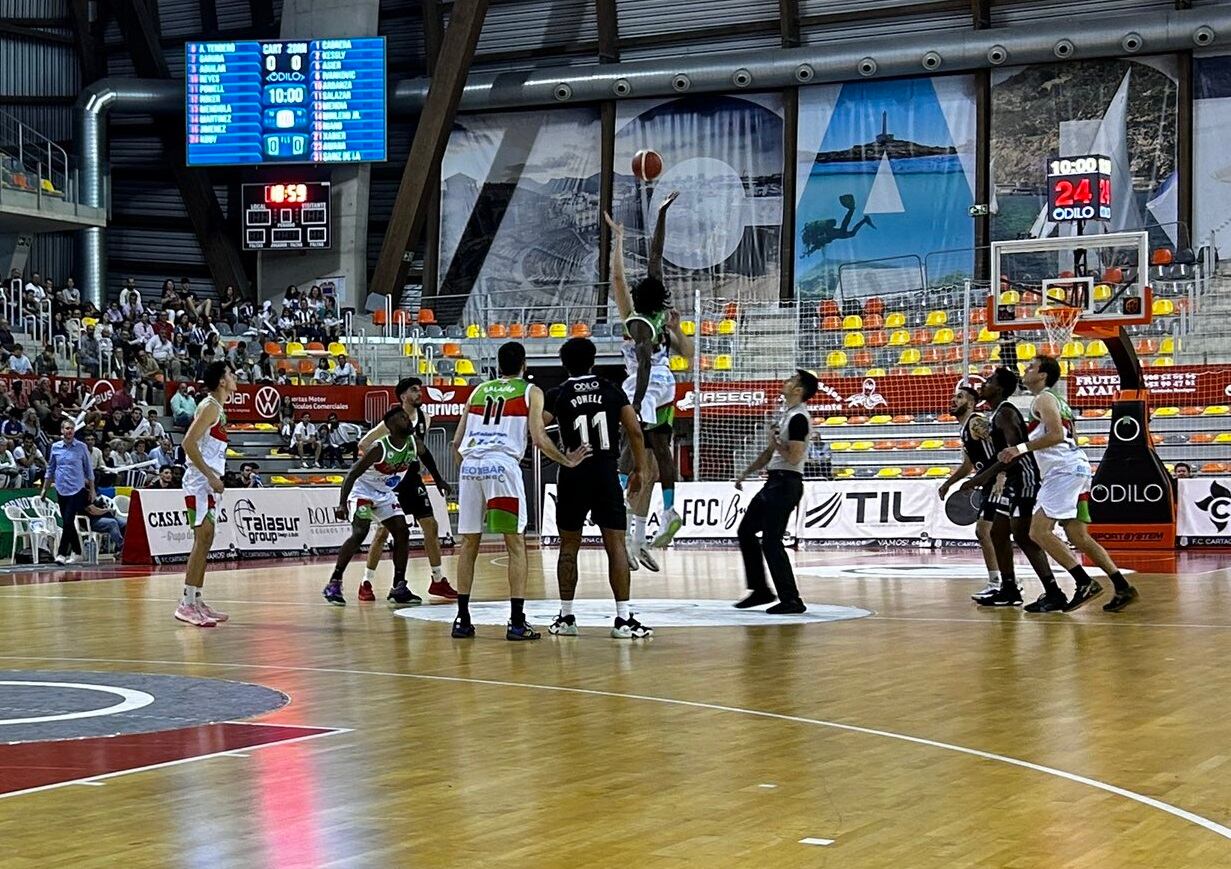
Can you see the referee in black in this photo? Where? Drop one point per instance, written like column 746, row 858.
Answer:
column 771, row 508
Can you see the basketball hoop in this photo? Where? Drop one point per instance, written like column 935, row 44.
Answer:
column 1060, row 322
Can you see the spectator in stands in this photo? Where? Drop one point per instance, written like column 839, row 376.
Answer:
column 322, row 374
column 6, row 336
column 106, row 352
column 339, row 438
column 35, row 282
column 1182, row 470
column 164, row 453
column 263, row 369
column 228, row 305
column 149, row 374
column 69, row 297
column 30, row 460
column 344, row 374
column 163, row 326
column 304, row 439
column 140, row 452
column 11, row 426
column 91, row 443
column 105, row 519
column 118, row 424
column 248, row 476
column 88, row 354
column 113, row 314
column 165, row 479
column 45, row 363
column 123, row 399
column 238, row 356
column 10, row 473
column 59, row 326
column 150, row 427
column 130, row 300
column 143, row 330
column 330, row 316
column 183, row 407
column 207, row 359
column 170, row 301
column 181, row 364
column 19, row 362
column 40, row 398
column 162, row 351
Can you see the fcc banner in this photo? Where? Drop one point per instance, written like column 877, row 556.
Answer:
column 252, row 523
column 1204, row 512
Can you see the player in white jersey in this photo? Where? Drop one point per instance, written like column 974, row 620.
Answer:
column 369, row 492
column 489, row 445
column 651, row 332
column 205, row 446
column 1065, row 491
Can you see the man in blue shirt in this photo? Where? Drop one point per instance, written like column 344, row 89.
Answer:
column 70, row 471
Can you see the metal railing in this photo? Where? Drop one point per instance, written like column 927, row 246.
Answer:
column 30, row 161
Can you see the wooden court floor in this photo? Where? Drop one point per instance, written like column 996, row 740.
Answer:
column 927, row 734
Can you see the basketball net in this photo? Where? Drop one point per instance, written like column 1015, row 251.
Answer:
column 1059, row 321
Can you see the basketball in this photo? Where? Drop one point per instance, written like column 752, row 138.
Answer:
column 647, row 165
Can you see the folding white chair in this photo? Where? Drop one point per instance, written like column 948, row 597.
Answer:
column 33, row 528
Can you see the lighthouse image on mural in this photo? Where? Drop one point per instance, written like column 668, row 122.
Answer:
column 886, row 172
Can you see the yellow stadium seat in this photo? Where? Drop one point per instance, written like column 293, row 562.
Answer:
column 1223, row 437
column 937, row 472
column 677, row 363
column 1167, row 346
column 853, row 340
column 1163, row 307
column 460, row 381
column 844, row 473
column 1163, row 362
column 1095, row 349
column 337, row 349
column 932, row 444
column 1010, row 297
column 558, row 330
column 688, row 327
column 233, row 453
column 874, row 372
column 1102, row 292
column 1056, row 294
column 474, row 330
column 854, row 321
column 889, row 473
column 943, row 336
column 835, row 420
column 1167, row 411
column 861, row 446
column 1216, row 410
column 426, row 366
column 937, row 318
column 922, row 369
column 1026, row 351
column 880, row 419
column 1072, row 350
column 87, row 322
column 726, row 327
column 1083, row 441
column 835, row 359
column 465, row 368
column 899, row 338
column 987, row 336
column 294, row 348
column 411, row 349
column 723, row 362
column 895, row 320
column 995, row 354
column 840, row 446
column 910, row 356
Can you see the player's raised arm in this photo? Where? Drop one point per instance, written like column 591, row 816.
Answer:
column 680, row 342
column 619, row 283
column 655, row 265
column 377, row 432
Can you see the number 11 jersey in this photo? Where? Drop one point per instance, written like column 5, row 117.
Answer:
column 497, row 419
column 587, row 410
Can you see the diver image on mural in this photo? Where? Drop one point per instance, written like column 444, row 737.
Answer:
column 885, row 178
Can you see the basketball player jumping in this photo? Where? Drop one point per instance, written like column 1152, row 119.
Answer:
column 652, row 331
column 412, row 496
column 1010, row 509
column 489, row 444
column 590, row 411
column 205, row 447
column 374, row 480
column 1064, row 494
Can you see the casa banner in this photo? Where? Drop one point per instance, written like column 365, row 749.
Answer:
column 251, row 523
column 262, row 402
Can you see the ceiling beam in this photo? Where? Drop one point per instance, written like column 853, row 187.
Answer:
column 88, row 36
column 16, row 28
column 209, row 16
column 788, row 16
column 981, row 14
column 217, row 244
column 608, row 31
column 426, row 149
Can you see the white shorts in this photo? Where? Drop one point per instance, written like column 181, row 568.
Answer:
column 491, row 496
column 368, row 503
column 658, row 404
column 200, row 500
column 1064, row 496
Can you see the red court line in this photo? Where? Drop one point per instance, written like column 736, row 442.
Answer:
column 36, row 766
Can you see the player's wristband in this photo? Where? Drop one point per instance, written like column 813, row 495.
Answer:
column 1022, row 449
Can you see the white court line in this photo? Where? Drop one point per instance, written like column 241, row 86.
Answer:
column 1184, row 814
column 97, row 780
column 813, row 841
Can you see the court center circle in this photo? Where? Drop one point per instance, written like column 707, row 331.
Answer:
column 655, row 612
column 131, row 700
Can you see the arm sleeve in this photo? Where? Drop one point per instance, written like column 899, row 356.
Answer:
column 797, row 428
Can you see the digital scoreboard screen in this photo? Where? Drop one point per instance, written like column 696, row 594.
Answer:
column 1079, row 188
column 286, row 215
column 306, row 101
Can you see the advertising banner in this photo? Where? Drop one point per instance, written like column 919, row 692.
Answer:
column 261, row 402
column 870, row 510
column 1175, row 386
column 251, row 523
column 1204, row 512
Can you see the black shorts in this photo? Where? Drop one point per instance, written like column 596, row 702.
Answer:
column 1012, row 504
column 412, row 496
column 593, row 491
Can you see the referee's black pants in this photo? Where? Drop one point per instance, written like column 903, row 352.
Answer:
column 767, row 515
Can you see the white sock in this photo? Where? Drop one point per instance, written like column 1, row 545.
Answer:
column 369, row 574
column 622, row 609
column 190, row 594
column 639, row 530
column 566, row 607
column 438, row 573
column 993, row 576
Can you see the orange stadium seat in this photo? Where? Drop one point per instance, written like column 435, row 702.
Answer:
column 579, row 330
column 1162, row 256
column 828, row 308
column 709, row 327
column 878, row 338
column 451, row 350
column 273, row 348
column 831, row 324
column 427, row 317
column 1049, row 348
column 1146, row 346
column 401, row 317
column 857, row 420
column 379, row 317
column 497, row 330
column 978, row 354
column 861, row 359
column 951, row 355
column 307, row 366
column 874, row 306
column 921, row 336
column 978, row 316
column 929, row 356
column 538, row 330
column 873, row 321
column 315, row 347
column 731, row 311
column 1214, row 468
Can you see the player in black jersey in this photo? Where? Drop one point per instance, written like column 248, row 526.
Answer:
column 1013, row 507
column 413, row 498
column 590, row 410
column 978, row 453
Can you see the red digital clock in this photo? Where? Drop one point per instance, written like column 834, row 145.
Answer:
column 1079, row 188
column 286, row 194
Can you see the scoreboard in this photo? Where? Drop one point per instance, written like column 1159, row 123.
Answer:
column 305, row 101
column 1079, row 188
column 286, row 215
